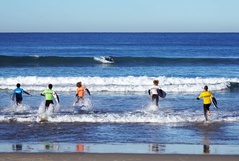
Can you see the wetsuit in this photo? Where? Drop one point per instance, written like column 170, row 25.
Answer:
column 206, row 95
column 154, row 93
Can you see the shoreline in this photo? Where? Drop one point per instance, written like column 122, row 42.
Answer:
column 120, row 148
column 110, row 157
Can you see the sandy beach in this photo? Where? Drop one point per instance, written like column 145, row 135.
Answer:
column 111, row 157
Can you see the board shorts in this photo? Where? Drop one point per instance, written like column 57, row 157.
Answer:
column 19, row 100
column 48, row 102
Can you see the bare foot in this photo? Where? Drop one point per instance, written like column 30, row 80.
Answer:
column 208, row 113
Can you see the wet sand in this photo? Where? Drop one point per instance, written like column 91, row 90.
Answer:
column 111, row 157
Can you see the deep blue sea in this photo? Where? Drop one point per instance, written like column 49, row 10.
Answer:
column 119, row 110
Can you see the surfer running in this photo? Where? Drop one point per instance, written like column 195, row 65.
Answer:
column 153, row 91
column 206, row 95
column 49, row 94
column 80, row 92
column 18, row 93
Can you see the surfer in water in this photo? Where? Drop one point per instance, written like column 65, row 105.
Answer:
column 206, row 95
column 49, row 95
column 18, row 93
column 154, row 92
column 80, row 92
column 109, row 58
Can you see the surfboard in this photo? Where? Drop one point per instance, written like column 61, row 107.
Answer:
column 161, row 93
column 105, row 60
column 214, row 102
column 207, row 122
column 43, row 117
column 43, row 120
column 12, row 120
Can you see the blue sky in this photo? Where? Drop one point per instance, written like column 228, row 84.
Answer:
column 119, row 15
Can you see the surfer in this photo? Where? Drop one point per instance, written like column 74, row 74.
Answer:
column 105, row 59
column 80, row 92
column 153, row 91
column 18, row 93
column 109, row 58
column 49, row 94
column 206, row 95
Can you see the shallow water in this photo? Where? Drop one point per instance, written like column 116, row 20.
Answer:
column 119, row 111
column 122, row 148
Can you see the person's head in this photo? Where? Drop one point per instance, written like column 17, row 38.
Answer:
column 18, row 85
column 156, row 82
column 78, row 84
column 50, row 86
column 205, row 88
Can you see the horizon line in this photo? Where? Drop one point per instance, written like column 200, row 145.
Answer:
column 21, row 32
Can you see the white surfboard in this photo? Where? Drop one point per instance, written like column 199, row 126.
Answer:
column 43, row 118
column 105, row 60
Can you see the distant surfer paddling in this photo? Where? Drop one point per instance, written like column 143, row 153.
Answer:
column 105, row 59
column 80, row 92
column 18, row 94
column 207, row 97
column 49, row 95
column 156, row 92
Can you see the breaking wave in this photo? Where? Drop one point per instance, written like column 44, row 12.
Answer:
column 120, row 84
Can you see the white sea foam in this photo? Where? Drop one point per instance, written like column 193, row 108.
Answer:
column 129, row 117
column 117, row 84
column 35, row 56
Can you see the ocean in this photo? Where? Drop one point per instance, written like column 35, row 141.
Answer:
column 119, row 111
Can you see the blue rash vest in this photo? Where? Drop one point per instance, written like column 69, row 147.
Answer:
column 18, row 92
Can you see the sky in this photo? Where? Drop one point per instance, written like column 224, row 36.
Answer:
column 119, row 15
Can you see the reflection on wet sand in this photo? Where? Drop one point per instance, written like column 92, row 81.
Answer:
column 16, row 147
column 157, row 148
column 80, row 147
column 51, row 146
column 206, row 149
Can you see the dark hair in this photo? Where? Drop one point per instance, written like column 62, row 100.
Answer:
column 78, row 84
column 206, row 88
column 156, row 82
column 18, row 85
column 50, row 86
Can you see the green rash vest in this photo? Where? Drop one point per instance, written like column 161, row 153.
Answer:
column 48, row 94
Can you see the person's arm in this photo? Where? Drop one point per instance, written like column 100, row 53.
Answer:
column 43, row 94
column 87, row 91
column 200, row 96
column 26, row 92
column 12, row 96
column 76, row 92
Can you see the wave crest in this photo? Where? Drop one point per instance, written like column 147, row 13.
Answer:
column 119, row 84
column 55, row 61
